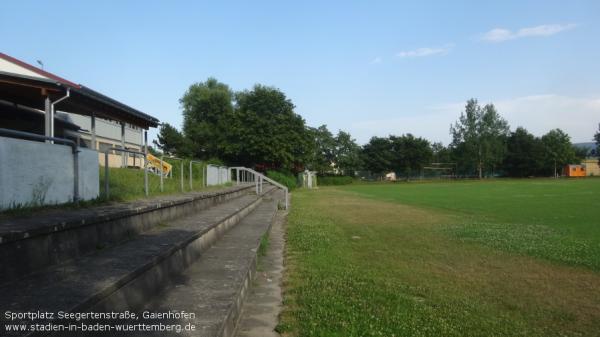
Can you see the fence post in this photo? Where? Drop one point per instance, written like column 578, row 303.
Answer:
column 191, row 186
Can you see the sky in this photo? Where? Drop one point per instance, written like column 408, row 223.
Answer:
column 371, row 68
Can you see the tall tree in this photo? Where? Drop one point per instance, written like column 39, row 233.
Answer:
column 410, row 154
column 525, row 154
column 479, row 137
column 270, row 133
column 597, row 138
column 324, row 149
column 347, row 153
column 493, row 131
column 170, row 140
column 441, row 154
column 377, row 155
column 558, row 148
column 208, row 119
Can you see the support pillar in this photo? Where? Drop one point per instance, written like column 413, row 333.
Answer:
column 94, row 145
column 48, row 113
column 123, row 154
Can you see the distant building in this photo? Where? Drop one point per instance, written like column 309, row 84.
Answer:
column 574, row 170
column 592, row 167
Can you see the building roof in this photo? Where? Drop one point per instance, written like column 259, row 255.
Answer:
column 28, row 85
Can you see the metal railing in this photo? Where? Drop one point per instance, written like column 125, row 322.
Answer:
column 106, row 169
column 259, row 178
column 74, row 146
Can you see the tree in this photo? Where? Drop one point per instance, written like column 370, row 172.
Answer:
column 494, row 131
column 347, row 153
column 410, row 154
column 597, row 138
column 377, row 155
column 558, row 148
column 269, row 132
column 170, row 140
column 208, row 120
column 525, row 154
column 479, row 137
column 324, row 149
column 441, row 154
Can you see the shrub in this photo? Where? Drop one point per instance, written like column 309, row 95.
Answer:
column 334, row 180
column 287, row 179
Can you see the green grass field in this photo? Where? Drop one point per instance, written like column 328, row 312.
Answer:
column 477, row 258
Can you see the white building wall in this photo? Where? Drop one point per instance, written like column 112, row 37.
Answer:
column 109, row 129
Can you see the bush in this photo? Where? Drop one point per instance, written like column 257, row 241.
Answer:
column 334, row 180
column 286, row 179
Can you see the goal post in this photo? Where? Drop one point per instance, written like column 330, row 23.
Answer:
column 439, row 171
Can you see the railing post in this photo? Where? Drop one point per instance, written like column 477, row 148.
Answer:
column 191, row 186
column 256, row 183
column 161, row 174
column 106, row 188
column 76, row 172
column 146, row 189
column 182, row 176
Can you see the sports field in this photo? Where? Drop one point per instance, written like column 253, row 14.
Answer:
column 489, row 258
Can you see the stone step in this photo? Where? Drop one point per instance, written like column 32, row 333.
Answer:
column 50, row 237
column 213, row 289
column 124, row 276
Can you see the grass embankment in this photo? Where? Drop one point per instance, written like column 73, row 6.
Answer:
column 128, row 184
column 444, row 260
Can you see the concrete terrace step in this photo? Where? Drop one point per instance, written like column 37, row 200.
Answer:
column 124, row 276
column 214, row 287
column 50, row 237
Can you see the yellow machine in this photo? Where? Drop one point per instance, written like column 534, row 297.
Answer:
column 154, row 164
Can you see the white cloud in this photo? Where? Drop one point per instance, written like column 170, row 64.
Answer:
column 376, row 60
column 421, row 52
column 502, row 34
column 577, row 116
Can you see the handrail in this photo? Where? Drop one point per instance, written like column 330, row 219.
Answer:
column 106, row 168
column 35, row 136
column 264, row 177
column 74, row 148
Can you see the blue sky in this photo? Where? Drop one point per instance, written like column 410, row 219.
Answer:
column 370, row 67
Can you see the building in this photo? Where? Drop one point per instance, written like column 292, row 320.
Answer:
column 97, row 122
column 574, row 171
column 53, row 133
column 592, row 166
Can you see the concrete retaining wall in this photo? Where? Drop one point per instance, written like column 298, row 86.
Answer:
column 35, row 173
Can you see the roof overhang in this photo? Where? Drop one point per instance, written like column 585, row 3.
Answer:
column 32, row 91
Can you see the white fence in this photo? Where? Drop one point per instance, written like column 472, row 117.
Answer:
column 217, row 175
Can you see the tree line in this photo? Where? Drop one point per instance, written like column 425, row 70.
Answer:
column 259, row 128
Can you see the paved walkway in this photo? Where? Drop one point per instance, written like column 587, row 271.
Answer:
column 262, row 307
